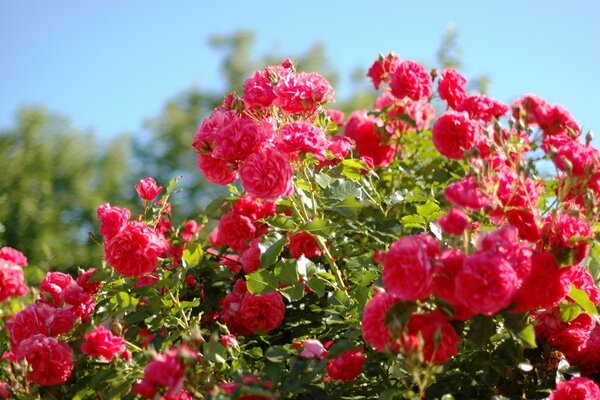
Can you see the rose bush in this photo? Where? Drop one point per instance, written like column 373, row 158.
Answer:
column 424, row 249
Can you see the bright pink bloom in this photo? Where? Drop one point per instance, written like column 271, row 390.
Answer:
column 453, row 134
column 13, row 255
column 229, row 341
column 582, row 279
column 373, row 322
column 336, row 116
column 529, row 108
column 12, row 280
column 112, row 220
column 52, row 286
column 556, row 120
column 217, row 171
column 264, row 312
column 465, row 193
column 578, row 388
column 411, row 80
column 253, row 207
column 382, row 68
column 302, row 93
column 51, row 361
column 250, row 258
column 577, row 159
column 407, row 272
column 83, row 303
column 482, row 107
column 486, row 283
column 191, row 228
column 100, row 342
column 313, row 349
column 267, row 174
column 546, row 286
column 147, row 189
column 166, row 371
column 567, row 233
column 135, row 250
column 347, row 365
column 363, row 129
column 236, row 231
column 32, row 320
column 440, row 341
column 303, row 137
column 452, row 87
column 244, row 136
column 448, row 265
column 4, row 390
column 303, row 243
column 258, row 90
column 455, row 222
column 90, row 287
column 205, row 138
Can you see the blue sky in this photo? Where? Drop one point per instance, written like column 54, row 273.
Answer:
column 109, row 64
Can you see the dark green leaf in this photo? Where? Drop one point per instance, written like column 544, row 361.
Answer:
column 318, row 226
column 270, row 254
column 261, row 281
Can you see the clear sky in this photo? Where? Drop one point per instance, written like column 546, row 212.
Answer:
column 109, row 64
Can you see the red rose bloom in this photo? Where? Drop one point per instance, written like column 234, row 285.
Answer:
column 12, row 280
column 112, row 220
column 373, row 322
column 560, row 228
column 237, row 140
column 302, row 93
column 236, row 231
column 206, row 136
column 448, row 265
column 100, row 342
column 482, row 107
column 486, row 283
column 50, row 360
column 216, row 171
column 52, row 286
column 453, row 134
column 258, row 90
column 264, row 312
column 578, row 388
column 166, row 371
column 13, row 255
column 411, row 80
column 451, row 87
column 303, row 243
column 455, row 222
column 250, row 258
column 147, row 189
column 381, row 68
column 267, row 174
column 440, row 341
column 407, row 272
column 302, row 137
column 347, row 365
column 135, row 250
column 362, row 128
column 465, row 193
column 90, row 287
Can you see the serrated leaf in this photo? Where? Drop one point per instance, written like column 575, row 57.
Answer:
column 318, row 226
column 286, row 272
column 317, row 286
column 323, row 180
column 293, row 293
column 352, row 169
column 192, row 257
column 345, row 189
column 413, row 221
column 581, row 298
column 349, row 207
column 277, row 354
column 527, row 337
column 261, row 281
column 425, row 210
column 569, row 311
column 269, row 255
column 282, row 222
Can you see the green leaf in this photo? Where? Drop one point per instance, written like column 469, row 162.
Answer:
column 569, row 311
column 323, row 180
column 348, row 207
column 286, row 272
column 481, row 330
column 214, row 351
column 192, row 257
column 427, row 209
column 398, row 314
column 317, row 285
column 293, row 293
column 413, row 221
column 318, row 226
column 261, row 281
column 527, row 337
column 282, row 222
column 352, row 169
column 277, row 354
column 345, row 189
column 270, row 254
column 581, row 298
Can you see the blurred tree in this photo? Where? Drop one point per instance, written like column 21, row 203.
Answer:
column 53, row 178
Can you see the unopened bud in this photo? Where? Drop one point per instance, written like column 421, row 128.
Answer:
column 434, row 74
column 589, row 136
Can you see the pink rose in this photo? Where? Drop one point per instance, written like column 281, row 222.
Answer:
column 236, row 231
column 13, row 255
column 112, row 220
column 466, row 193
column 455, row 222
column 135, row 250
column 258, row 90
column 578, row 388
column 250, row 258
column 217, row 171
column 166, row 371
column 205, row 138
column 83, row 303
column 362, row 128
column 451, row 87
column 347, row 365
column 236, row 141
column 190, row 229
column 486, row 283
column 313, row 349
column 577, row 159
column 411, row 80
column 448, row 265
column 12, row 280
column 582, row 279
column 453, row 134
column 407, row 272
column 229, row 341
column 302, row 93
column 147, row 189
column 555, row 120
column 566, row 233
column 335, row 116
column 100, row 342
column 440, row 341
column 52, row 286
column 381, row 68
column 51, row 361
column 31, row 320
column 529, row 108
column 90, row 287
column 264, row 312
column 267, row 174
column 303, row 137
column 375, row 332
column 303, row 243
column 482, row 107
